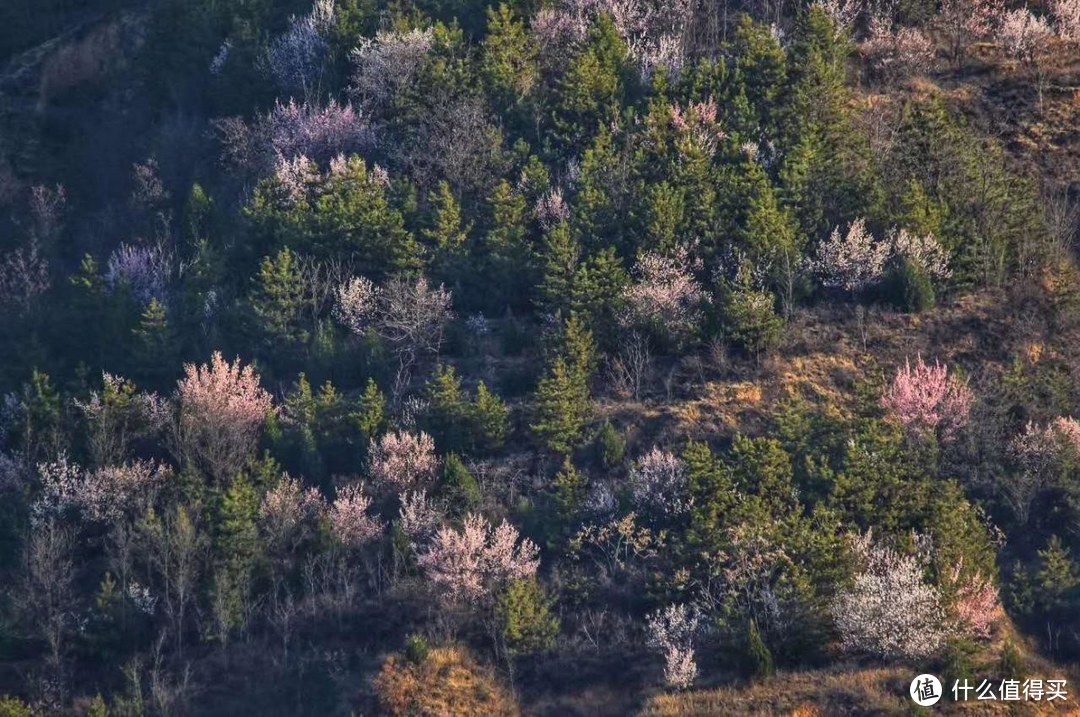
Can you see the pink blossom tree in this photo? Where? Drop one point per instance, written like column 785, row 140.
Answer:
column 927, row 398
column 402, row 460
column 665, row 297
column 286, row 508
column 220, row 411
column 1066, row 14
column 963, row 22
column 473, row 563
column 975, row 606
column 671, row 631
column 418, row 516
column 889, row 611
column 113, row 493
column 896, row 52
column 698, row 125
column 349, row 518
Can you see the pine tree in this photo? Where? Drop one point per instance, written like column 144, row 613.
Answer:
column 370, row 417
column 596, row 291
column 509, row 57
column 524, row 612
column 577, row 347
column 506, row 252
column 447, row 417
column 1057, row 576
column 558, row 262
column 488, row 416
column 446, row 233
column 236, row 543
column 570, row 486
column 300, row 410
column 277, row 303
column 590, row 93
column 610, row 446
column 235, row 535
column 562, row 408
column 759, row 660
column 155, row 345
column 665, row 217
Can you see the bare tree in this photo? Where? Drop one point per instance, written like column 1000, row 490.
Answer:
column 409, row 314
column 629, row 370
column 1061, row 215
column 175, row 550
column 47, row 598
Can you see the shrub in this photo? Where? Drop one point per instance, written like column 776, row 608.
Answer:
column 759, row 659
column 416, row 649
column 908, row 287
column 13, row 707
column 750, row 320
column 610, row 446
column 459, row 486
column 1011, row 663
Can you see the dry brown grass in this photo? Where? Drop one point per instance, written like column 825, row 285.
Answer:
column 447, row 682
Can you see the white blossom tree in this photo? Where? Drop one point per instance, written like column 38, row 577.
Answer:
column 852, row 261
column 890, row 610
column 671, row 632
column 144, row 270
column 296, row 57
column 924, row 252
column 386, row 63
column 418, row 516
column 409, row 314
column 1024, row 36
column 658, row 484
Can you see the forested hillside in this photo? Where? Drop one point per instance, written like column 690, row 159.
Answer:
column 544, row 357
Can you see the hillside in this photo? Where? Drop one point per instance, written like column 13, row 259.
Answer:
column 583, row 357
